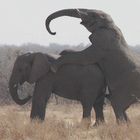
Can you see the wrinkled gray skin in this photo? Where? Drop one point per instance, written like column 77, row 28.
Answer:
column 109, row 49
column 71, row 81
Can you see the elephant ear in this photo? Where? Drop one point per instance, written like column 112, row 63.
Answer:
column 40, row 66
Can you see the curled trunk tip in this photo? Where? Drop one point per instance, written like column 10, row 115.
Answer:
column 13, row 92
column 65, row 12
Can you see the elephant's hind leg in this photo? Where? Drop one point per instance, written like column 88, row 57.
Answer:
column 87, row 103
column 126, row 117
column 98, row 108
column 121, row 116
column 86, row 120
column 120, row 105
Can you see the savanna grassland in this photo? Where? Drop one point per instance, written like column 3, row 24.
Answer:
column 63, row 123
column 63, row 120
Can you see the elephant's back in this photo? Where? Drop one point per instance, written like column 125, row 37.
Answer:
column 80, row 71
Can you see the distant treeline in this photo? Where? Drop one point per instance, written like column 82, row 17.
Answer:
column 8, row 54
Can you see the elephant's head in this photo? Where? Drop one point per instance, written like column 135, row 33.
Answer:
column 91, row 19
column 28, row 67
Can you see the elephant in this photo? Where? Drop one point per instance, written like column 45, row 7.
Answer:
column 65, row 52
column 71, row 81
column 120, row 66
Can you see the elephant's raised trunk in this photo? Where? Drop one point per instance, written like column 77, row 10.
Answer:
column 13, row 91
column 66, row 12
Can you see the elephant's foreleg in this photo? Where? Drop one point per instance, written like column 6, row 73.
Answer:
column 88, row 56
column 40, row 98
column 38, row 109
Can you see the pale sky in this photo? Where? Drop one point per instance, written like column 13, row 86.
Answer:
column 23, row 21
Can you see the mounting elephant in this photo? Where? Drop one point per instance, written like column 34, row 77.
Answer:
column 109, row 49
column 71, row 81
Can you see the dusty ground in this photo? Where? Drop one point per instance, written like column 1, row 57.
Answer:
column 63, row 123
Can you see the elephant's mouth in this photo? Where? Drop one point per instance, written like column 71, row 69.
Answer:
column 89, row 24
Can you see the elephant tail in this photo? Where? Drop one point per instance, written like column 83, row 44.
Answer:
column 108, row 96
column 105, row 94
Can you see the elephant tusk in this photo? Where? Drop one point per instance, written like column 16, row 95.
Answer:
column 20, row 89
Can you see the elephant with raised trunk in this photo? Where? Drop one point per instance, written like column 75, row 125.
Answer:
column 83, row 83
column 109, row 49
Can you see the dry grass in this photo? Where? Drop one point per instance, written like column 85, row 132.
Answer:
column 63, row 123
